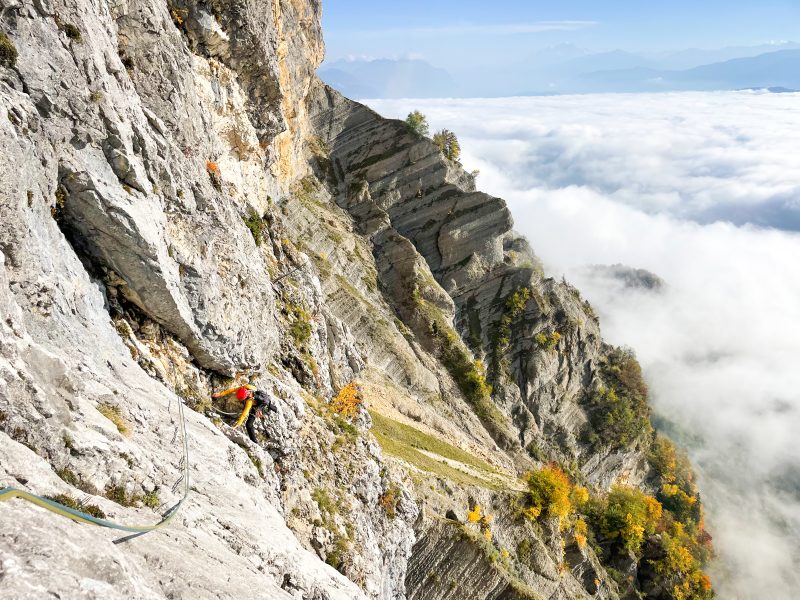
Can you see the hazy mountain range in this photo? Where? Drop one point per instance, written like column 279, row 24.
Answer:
column 569, row 69
column 387, row 78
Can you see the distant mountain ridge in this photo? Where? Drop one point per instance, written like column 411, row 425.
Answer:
column 564, row 70
column 779, row 69
column 388, row 78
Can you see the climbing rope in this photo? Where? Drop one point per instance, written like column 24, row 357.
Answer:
column 76, row 515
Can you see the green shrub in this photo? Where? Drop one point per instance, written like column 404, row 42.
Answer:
column 619, row 412
column 301, row 331
column 72, row 32
column 548, row 495
column 336, row 557
column 548, row 341
column 513, row 307
column 256, row 225
column 447, row 142
column 68, row 476
column 151, row 499
column 324, row 501
column 113, row 413
column 8, row 52
column 626, row 516
column 300, row 327
column 69, row 501
column 670, row 464
column 418, row 123
column 118, row 493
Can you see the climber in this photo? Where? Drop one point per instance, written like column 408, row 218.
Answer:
column 251, row 397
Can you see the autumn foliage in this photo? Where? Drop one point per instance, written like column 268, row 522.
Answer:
column 447, row 142
column 549, row 493
column 684, row 545
column 627, row 516
column 581, row 531
column 474, row 516
column 347, row 401
column 664, row 533
column 214, row 173
column 213, row 168
column 389, row 500
column 482, row 520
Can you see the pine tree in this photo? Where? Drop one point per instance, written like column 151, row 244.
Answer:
column 448, row 143
column 418, row 123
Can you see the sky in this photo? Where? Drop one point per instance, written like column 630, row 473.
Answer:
column 450, row 33
column 702, row 189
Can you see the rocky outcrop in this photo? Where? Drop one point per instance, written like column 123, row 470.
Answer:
column 144, row 144
column 625, row 276
column 431, row 210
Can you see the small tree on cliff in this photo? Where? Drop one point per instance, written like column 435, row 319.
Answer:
column 418, row 123
column 448, row 143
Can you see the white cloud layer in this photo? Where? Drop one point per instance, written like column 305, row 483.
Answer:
column 673, row 183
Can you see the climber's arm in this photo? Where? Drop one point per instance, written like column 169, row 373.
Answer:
column 243, row 417
column 225, row 392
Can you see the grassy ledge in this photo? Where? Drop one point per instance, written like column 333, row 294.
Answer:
column 405, row 442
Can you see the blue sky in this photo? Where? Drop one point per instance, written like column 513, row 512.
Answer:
column 449, row 33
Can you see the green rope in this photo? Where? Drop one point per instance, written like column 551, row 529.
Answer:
column 7, row 493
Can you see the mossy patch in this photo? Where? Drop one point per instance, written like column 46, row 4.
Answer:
column 151, row 499
column 113, row 413
column 8, row 52
column 72, row 32
column 256, row 225
column 69, row 501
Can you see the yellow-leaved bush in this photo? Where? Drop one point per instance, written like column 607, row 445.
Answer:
column 549, row 494
column 685, row 545
column 474, row 516
column 680, row 566
column 627, row 515
column 581, row 531
column 482, row 520
column 347, row 401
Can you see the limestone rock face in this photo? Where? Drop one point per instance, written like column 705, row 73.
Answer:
column 467, row 241
column 184, row 208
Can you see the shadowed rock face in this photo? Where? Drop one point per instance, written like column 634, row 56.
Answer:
column 627, row 277
column 185, row 207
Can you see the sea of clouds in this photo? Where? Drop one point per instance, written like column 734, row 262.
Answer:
column 702, row 189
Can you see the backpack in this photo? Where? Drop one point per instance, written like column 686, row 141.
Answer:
column 263, row 401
